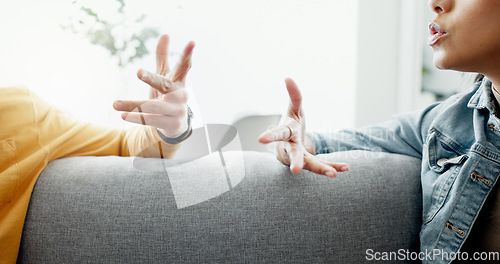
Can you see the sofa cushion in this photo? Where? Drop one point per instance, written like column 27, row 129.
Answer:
column 119, row 209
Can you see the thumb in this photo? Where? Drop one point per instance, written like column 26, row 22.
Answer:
column 295, row 96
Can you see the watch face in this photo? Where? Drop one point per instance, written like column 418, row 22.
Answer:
column 207, row 164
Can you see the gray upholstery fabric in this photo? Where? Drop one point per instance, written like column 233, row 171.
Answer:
column 106, row 210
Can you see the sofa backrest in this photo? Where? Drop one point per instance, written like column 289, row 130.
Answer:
column 106, row 210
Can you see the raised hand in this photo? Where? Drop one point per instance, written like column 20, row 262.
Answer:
column 293, row 147
column 167, row 107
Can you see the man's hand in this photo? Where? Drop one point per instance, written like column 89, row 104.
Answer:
column 167, row 107
column 293, row 147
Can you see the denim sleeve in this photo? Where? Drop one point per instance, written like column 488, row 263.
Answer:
column 403, row 134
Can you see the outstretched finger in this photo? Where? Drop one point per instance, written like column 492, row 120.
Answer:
column 184, row 64
column 282, row 133
column 162, row 67
column 162, row 55
column 296, row 154
column 160, row 83
column 311, row 163
column 151, row 106
column 295, row 96
column 337, row 166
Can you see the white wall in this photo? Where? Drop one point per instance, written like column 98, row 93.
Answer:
column 389, row 53
column 58, row 65
column 357, row 62
column 244, row 51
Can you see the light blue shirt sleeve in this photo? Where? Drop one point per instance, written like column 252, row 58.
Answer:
column 403, row 134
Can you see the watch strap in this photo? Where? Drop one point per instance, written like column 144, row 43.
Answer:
column 184, row 135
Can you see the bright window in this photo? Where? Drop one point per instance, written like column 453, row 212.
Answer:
column 244, row 51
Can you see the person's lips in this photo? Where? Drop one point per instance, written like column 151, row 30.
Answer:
column 436, row 34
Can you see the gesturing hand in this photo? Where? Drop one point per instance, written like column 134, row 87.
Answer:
column 293, row 147
column 167, row 107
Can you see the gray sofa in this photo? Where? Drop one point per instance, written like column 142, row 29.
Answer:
column 136, row 210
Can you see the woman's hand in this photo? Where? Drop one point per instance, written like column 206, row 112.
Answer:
column 293, row 147
column 167, row 107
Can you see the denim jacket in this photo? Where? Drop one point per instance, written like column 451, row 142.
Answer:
column 458, row 141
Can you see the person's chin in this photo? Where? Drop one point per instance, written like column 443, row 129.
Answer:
column 441, row 62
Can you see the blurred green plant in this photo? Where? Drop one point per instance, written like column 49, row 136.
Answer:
column 125, row 39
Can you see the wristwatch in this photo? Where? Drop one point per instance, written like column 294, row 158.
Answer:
column 184, row 135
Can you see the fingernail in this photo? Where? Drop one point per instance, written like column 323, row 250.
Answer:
column 330, row 174
column 295, row 169
column 118, row 105
column 344, row 168
column 145, row 75
column 268, row 137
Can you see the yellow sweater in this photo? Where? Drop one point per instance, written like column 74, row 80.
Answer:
column 33, row 133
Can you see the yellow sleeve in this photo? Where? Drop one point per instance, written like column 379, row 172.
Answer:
column 33, row 133
column 64, row 136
